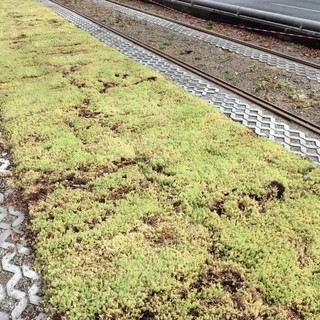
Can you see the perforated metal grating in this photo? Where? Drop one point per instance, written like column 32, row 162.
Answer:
column 260, row 121
column 261, row 56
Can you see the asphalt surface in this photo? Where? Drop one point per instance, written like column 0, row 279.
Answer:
column 307, row 9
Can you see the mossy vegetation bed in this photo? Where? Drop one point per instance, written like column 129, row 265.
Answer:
column 146, row 202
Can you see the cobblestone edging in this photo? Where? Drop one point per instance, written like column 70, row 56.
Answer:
column 234, row 47
column 260, row 121
column 19, row 283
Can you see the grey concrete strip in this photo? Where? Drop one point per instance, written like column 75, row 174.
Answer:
column 260, row 121
column 261, row 56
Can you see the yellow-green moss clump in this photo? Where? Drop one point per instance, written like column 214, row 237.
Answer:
column 146, row 202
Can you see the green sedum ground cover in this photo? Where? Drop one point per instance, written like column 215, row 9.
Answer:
column 145, row 202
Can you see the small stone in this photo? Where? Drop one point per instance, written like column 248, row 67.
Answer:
column 1, row 198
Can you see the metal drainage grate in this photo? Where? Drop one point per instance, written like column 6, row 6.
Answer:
column 260, row 121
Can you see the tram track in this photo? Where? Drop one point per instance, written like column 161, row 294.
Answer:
column 244, row 94
column 296, row 134
column 221, row 36
column 291, row 64
column 288, row 84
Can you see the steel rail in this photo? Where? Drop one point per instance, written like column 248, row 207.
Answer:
column 242, row 93
column 218, row 35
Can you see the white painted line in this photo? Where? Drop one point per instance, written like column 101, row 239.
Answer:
column 299, row 8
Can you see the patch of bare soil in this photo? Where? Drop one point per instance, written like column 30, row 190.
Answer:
column 289, row 91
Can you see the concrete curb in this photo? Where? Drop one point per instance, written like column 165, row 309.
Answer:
column 299, row 25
